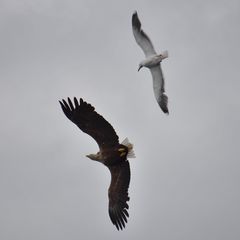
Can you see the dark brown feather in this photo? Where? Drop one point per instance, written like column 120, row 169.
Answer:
column 118, row 194
column 90, row 122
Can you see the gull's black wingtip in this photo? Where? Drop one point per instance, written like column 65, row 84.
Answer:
column 166, row 111
column 135, row 20
column 163, row 103
column 134, row 16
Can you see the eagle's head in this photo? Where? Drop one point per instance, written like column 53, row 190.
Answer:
column 95, row 157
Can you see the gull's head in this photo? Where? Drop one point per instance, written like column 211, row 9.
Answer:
column 139, row 66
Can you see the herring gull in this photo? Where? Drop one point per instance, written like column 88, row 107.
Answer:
column 152, row 61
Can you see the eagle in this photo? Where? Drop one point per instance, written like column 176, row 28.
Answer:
column 111, row 153
column 152, row 61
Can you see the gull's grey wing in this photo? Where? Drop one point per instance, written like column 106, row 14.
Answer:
column 118, row 194
column 159, row 87
column 141, row 37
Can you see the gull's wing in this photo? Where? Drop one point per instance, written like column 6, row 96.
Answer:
column 118, row 194
column 141, row 37
column 159, row 88
column 90, row 122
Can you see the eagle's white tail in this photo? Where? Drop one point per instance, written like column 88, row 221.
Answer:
column 129, row 145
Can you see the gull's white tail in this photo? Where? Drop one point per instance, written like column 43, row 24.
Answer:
column 129, row 145
column 164, row 54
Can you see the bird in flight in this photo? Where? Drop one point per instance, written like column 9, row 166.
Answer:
column 111, row 153
column 152, row 61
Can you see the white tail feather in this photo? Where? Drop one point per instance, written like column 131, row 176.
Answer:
column 164, row 54
column 129, row 145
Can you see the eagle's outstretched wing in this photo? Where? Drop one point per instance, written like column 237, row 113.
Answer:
column 89, row 121
column 118, row 194
column 141, row 37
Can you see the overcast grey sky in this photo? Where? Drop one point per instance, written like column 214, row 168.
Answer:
column 185, row 178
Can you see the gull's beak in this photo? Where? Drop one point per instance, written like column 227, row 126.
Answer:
column 139, row 68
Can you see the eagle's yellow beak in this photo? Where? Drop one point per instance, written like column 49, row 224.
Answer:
column 91, row 156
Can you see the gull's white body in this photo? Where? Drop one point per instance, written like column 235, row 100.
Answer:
column 152, row 61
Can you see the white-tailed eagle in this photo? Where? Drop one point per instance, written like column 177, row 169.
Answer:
column 111, row 153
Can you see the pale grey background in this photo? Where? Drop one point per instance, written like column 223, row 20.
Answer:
column 185, row 179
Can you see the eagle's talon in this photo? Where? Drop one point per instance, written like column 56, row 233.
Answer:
column 121, row 149
column 122, row 154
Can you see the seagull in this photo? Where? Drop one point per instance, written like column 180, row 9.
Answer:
column 112, row 154
column 152, row 61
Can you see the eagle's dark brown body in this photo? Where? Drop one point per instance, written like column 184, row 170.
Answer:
column 112, row 154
